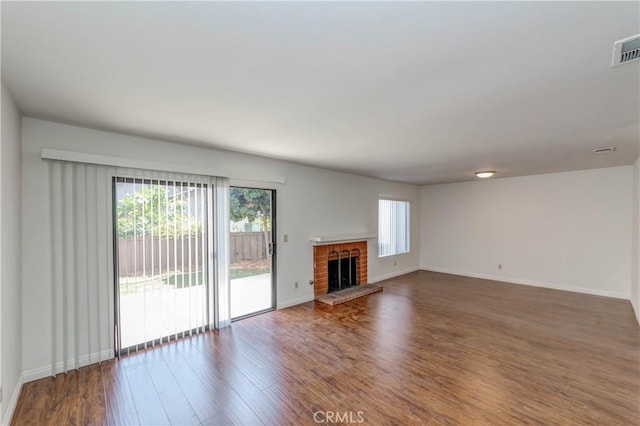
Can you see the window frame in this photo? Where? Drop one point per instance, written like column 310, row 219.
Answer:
column 394, row 228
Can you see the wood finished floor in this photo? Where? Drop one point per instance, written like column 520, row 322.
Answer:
column 431, row 349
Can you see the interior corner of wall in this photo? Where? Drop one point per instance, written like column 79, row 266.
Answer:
column 12, row 403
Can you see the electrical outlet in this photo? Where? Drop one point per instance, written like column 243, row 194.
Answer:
column 296, row 284
column 285, row 238
column 500, row 266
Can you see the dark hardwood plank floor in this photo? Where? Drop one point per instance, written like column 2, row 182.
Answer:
column 431, row 349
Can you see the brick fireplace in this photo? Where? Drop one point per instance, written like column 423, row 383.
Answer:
column 322, row 254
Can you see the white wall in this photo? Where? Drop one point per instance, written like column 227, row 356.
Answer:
column 635, row 272
column 11, row 257
column 6, row 126
column 564, row 230
column 312, row 201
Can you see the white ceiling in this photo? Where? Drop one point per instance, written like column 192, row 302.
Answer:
column 412, row 92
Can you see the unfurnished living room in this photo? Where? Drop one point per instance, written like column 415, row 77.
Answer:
column 300, row 213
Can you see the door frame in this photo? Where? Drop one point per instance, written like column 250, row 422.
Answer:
column 274, row 254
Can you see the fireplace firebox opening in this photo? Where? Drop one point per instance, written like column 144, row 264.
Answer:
column 343, row 269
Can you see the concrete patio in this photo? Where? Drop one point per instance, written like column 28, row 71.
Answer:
column 164, row 310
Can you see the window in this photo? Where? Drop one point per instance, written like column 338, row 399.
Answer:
column 393, row 227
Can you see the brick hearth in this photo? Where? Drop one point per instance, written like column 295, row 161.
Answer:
column 320, row 263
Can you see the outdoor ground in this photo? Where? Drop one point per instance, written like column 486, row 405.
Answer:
column 155, row 307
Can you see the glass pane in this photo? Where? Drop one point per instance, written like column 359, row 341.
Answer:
column 250, row 251
column 161, row 259
column 393, row 227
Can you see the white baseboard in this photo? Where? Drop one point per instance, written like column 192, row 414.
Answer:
column 528, row 282
column 304, row 299
column 636, row 309
column 47, row 371
column 13, row 402
column 392, row 275
column 293, row 302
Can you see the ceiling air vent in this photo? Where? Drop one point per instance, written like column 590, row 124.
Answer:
column 604, row 150
column 626, row 50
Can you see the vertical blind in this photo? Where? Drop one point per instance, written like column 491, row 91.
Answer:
column 162, row 281
column 83, row 303
column 81, row 265
column 393, row 227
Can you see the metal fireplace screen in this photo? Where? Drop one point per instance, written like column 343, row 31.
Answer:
column 343, row 269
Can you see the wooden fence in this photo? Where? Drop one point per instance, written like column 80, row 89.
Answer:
column 247, row 246
column 155, row 255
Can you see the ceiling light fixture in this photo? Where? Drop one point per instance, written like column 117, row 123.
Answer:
column 485, row 174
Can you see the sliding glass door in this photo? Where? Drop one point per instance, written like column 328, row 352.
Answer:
column 164, row 238
column 252, row 251
column 162, row 252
